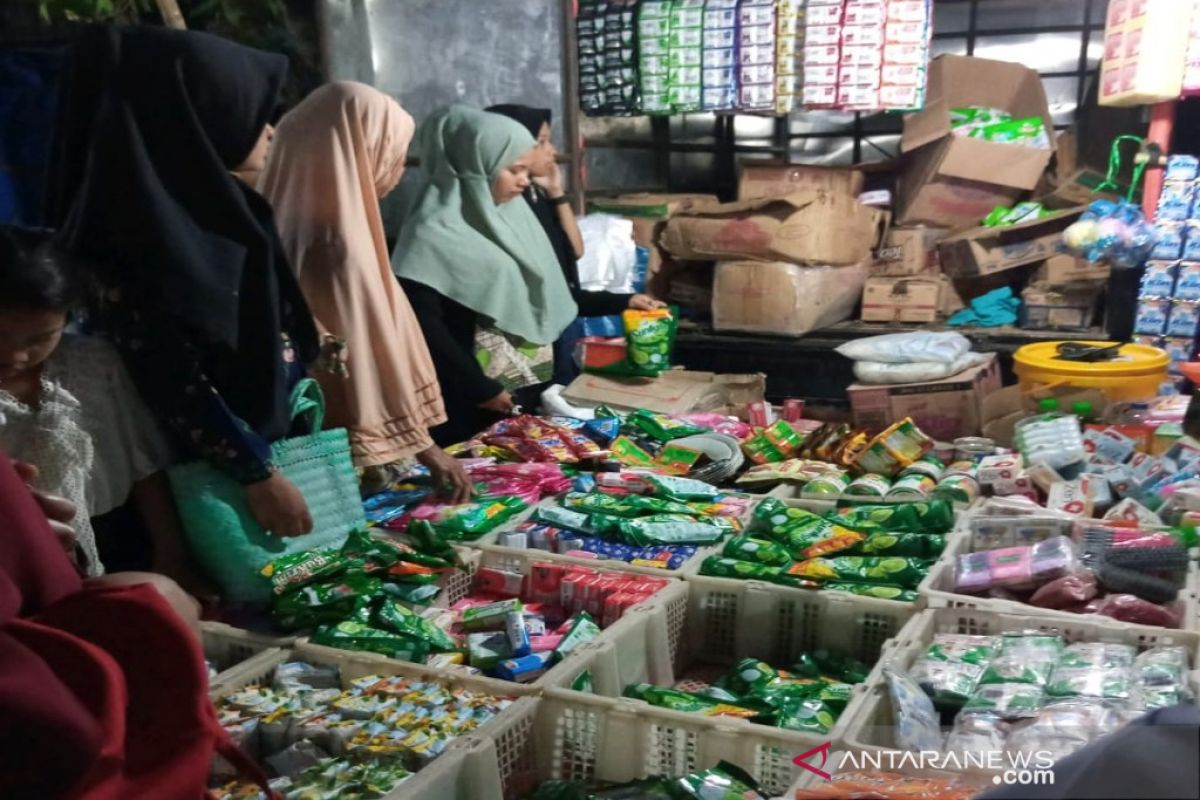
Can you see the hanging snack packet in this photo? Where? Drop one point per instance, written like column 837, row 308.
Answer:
column 903, row 572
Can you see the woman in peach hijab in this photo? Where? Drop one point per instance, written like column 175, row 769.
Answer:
column 333, row 157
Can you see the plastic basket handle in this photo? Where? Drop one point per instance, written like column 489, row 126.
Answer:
column 309, row 401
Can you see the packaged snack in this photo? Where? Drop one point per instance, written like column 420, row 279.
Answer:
column 748, row 675
column 581, row 631
column 686, row 702
column 626, row 451
column 979, row 732
column 903, row 572
column 1024, row 658
column 676, row 459
column 298, row 569
column 759, row 551
column 351, row 635
column 394, row 616
column 1069, row 591
column 723, row 782
column 669, row 529
column 917, row 726
column 879, row 591
column 1090, row 681
column 662, row 427
column 628, row 506
column 680, row 489
column 1009, row 701
column 805, row 714
column 487, row 649
column 524, row 669
column 491, row 616
column 912, row 545
column 321, row 603
column 932, row 517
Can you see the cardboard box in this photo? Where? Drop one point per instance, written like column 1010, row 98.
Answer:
column 908, row 251
column 1066, row 270
column 944, row 409
column 784, row 299
column 809, row 227
column 902, row 299
column 1045, row 308
column 674, row 392
column 772, row 179
column 954, row 181
column 983, row 251
column 649, row 214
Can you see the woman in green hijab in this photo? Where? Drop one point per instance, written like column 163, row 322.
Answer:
column 470, row 258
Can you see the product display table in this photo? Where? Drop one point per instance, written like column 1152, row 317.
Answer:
column 807, row 368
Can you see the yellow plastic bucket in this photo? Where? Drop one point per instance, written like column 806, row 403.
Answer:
column 1135, row 374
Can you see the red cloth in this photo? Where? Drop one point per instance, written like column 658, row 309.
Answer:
column 103, row 690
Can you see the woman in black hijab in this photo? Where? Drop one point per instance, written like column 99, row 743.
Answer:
column 552, row 207
column 193, row 286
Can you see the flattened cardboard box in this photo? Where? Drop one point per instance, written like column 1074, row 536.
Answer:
column 810, row 227
column 983, row 251
column 774, row 297
column 759, row 180
column 674, row 392
column 954, row 181
column 902, row 299
column 944, row 409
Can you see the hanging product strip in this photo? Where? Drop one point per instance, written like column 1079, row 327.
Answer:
column 772, row 57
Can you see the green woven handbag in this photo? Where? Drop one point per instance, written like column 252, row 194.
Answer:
column 223, row 535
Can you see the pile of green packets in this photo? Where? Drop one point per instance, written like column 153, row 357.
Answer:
column 357, row 597
column 881, row 551
column 722, row 782
column 997, row 125
column 809, row 697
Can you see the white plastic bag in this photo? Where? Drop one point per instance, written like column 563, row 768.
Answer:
column 908, row 348
column 609, row 254
column 915, row 372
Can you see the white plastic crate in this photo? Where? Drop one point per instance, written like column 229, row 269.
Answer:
column 465, row 770
column 725, row 621
column 227, row 647
column 937, row 591
column 873, row 726
column 669, row 602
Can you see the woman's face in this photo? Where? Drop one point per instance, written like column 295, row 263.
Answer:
column 513, row 179
column 257, row 160
column 544, row 153
column 27, row 338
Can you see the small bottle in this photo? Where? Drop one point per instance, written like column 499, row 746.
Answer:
column 1084, row 410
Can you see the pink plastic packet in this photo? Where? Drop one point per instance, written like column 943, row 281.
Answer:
column 1133, row 609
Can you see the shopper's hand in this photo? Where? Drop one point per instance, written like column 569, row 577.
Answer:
column 59, row 511
column 449, row 475
column 552, row 182
column 644, row 302
column 501, row 404
column 332, row 357
column 279, row 507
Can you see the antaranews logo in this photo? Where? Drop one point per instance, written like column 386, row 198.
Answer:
column 1008, row 768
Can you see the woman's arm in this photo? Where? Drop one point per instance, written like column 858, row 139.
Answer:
column 556, row 193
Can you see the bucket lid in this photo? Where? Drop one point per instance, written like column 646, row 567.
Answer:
column 1132, row 359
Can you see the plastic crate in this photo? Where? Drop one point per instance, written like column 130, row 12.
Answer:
column 488, row 543
column 725, row 621
column 669, row 602
column 465, row 770
column 226, row 647
column 937, row 590
column 873, row 726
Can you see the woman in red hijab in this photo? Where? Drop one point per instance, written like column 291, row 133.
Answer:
column 103, row 685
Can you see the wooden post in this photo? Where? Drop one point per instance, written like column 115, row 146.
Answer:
column 172, row 16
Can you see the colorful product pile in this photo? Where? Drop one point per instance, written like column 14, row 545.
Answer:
column 1168, row 314
column 722, row 782
column 321, row 740
column 1027, row 691
column 644, row 519
column 756, row 56
column 608, row 69
column 997, row 125
column 808, row 697
column 874, row 551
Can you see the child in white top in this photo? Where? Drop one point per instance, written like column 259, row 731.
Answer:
column 67, row 406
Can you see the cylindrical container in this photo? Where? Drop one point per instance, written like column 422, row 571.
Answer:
column 869, row 486
column 1135, row 374
column 973, row 448
column 913, row 486
column 793, row 409
column 957, row 488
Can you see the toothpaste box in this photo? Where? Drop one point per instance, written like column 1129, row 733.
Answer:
column 1182, row 168
column 824, row 15
column 1070, row 497
column 1185, row 316
column 997, row 468
column 1159, row 279
column 1152, row 315
column 1175, row 202
column 1179, row 350
column 1191, row 243
column 1169, row 245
